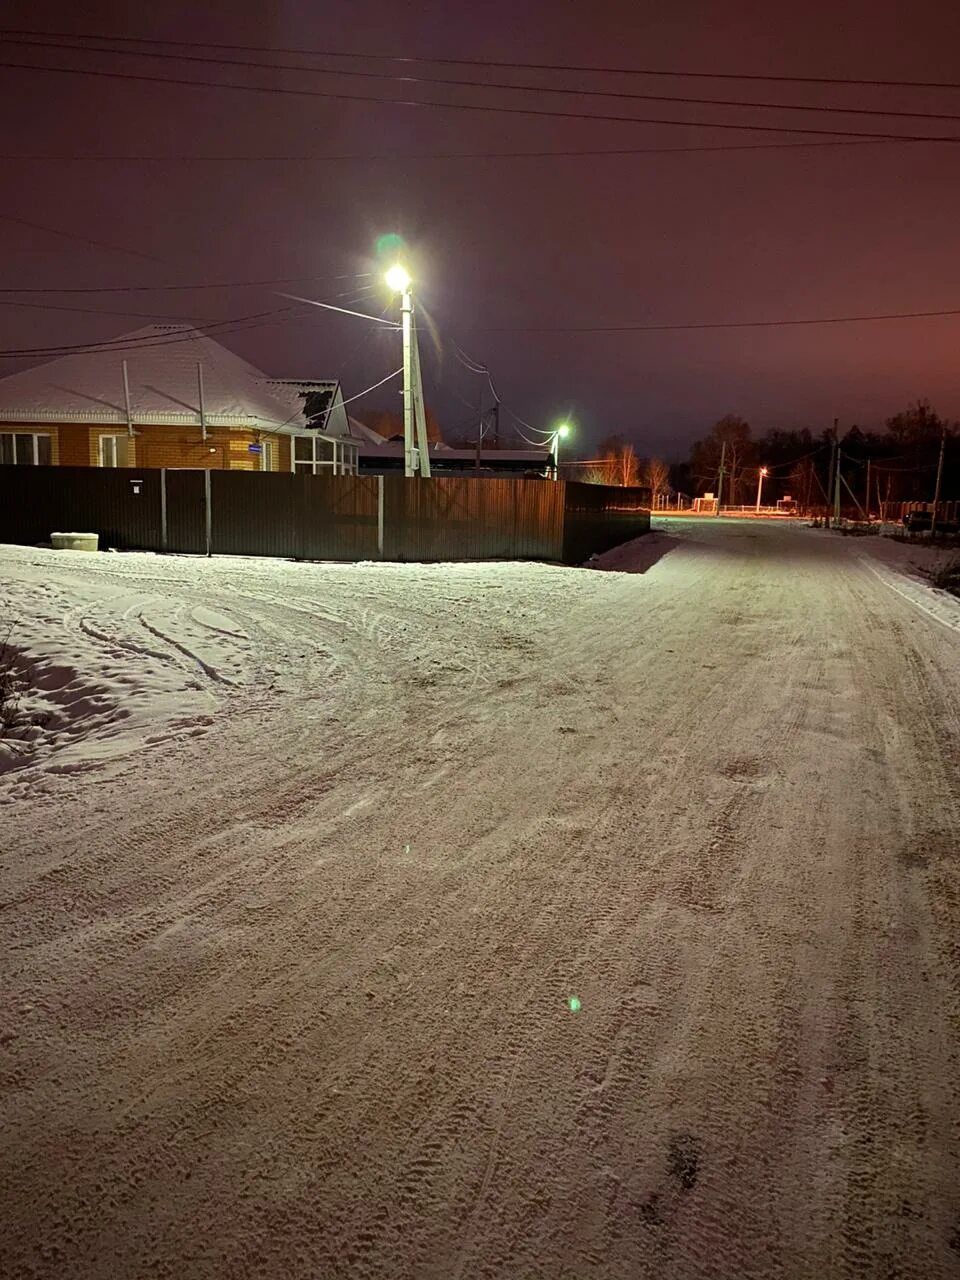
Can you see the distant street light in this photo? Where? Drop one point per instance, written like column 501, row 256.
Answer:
column 560, row 433
column 414, row 416
column 763, row 472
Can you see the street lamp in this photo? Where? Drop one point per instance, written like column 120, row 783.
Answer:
column 414, row 417
column 763, row 472
column 398, row 278
column 560, row 433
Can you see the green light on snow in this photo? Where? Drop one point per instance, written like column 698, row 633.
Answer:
column 573, row 1004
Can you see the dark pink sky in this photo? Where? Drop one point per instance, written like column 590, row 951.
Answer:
column 513, row 243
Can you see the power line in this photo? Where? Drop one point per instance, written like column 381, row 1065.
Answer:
column 396, row 373
column 489, row 108
column 178, row 288
column 495, row 63
column 721, row 324
column 326, row 306
column 499, row 85
column 237, row 324
column 403, row 157
column 103, row 311
column 70, row 235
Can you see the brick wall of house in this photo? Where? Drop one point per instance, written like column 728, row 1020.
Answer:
column 74, row 444
column 77, row 444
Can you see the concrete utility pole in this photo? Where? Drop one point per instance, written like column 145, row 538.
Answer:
column 868, row 490
column 833, row 463
column 416, row 457
column 420, row 413
column 406, row 312
column 936, row 489
column 836, row 493
column 723, row 461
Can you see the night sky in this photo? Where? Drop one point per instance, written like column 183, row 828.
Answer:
column 511, row 244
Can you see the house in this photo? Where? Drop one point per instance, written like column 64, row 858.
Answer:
column 171, row 396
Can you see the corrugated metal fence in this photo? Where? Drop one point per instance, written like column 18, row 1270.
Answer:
column 319, row 517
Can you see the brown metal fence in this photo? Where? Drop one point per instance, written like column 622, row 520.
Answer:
column 600, row 516
column 320, row 517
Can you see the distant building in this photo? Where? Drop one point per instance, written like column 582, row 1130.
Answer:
column 387, row 456
column 171, row 396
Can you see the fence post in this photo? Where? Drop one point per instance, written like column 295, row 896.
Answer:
column 208, row 514
column 380, row 515
column 163, row 508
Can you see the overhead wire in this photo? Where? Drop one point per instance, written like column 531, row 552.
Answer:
column 374, row 386
column 238, row 324
column 403, row 157
column 496, row 85
column 176, row 288
column 490, row 62
column 720, row 324
column 220, row 327
column 326, row 306
column 78, row 239
column 605, row 118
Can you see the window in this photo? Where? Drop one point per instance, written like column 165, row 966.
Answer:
column 25, row 449
column 318, row 453
column 112, row 451
column 266, row 455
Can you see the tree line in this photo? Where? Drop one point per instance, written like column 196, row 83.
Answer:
column 899, row 461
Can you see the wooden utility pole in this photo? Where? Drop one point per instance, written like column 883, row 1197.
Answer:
column 723, row 459
column 836, row 494
column 833, row 462
column 936, row 490
column 868, row 490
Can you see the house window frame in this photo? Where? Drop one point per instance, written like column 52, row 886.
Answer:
column 342, row 460
column 115, row 437
column 267, row 455
column 35, row 437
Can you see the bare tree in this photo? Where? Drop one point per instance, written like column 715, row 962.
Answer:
column 619, row 461
column 705, row 457
column 656, row 475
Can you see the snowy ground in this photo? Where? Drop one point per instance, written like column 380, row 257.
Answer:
column 299, row 881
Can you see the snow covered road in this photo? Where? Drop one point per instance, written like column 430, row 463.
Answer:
column 298, row 885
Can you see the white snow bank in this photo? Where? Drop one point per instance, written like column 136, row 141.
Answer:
column 905, row 567
column 131, row 652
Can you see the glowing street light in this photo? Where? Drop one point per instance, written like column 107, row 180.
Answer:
column 398, row 278
column 414, row 416
column 763, row 472
column 561, row 431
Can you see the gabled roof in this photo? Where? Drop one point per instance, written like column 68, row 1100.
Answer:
column 364, row 433
column 162, row 372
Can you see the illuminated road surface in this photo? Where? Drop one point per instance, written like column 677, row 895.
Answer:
column 485, row 921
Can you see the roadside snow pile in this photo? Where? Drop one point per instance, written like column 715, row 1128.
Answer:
column 97, row 675
column 906, row 568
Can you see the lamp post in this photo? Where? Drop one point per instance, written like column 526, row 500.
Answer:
column 560, row 433
column 763, row 472
column 415, row 457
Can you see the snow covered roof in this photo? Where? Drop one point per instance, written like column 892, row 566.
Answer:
column 162, row 372
column 364, row 433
